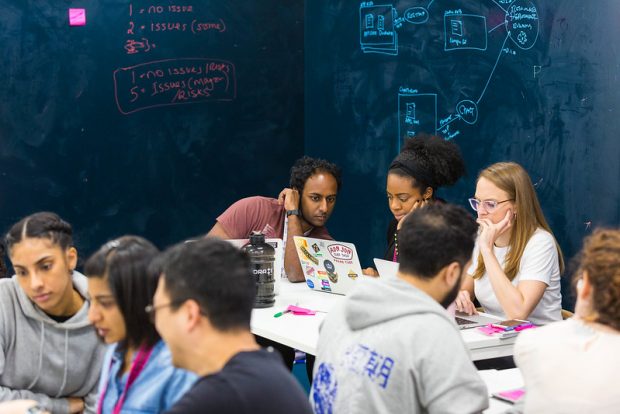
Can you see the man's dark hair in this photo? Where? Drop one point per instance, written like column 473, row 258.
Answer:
column 216, row 275
column 434, row 236
column 125, row 263
column 305, row 167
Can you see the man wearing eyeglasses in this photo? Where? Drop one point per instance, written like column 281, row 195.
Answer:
column 202, row 308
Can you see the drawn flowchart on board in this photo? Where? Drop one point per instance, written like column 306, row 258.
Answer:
column 417, row 110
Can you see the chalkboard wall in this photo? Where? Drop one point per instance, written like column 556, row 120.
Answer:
column 531, row 81
column 152, row 116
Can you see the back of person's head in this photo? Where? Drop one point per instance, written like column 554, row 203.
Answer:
column 512, row 178
column 42, row 225
column 3, row 271
column 433, row 237
column 125, row 262
column 430, row 161
column 306, row 167
column 216, row 275
column 600, row 259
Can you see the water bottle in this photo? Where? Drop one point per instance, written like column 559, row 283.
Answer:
column 262, row 261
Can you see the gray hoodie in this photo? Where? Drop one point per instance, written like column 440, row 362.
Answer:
column 42, row 359
column 390, row 348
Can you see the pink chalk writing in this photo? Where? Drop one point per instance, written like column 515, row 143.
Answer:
column 142, row 45
column 173, row 82
column 158, row 21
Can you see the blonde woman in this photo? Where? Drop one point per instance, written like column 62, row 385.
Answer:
column 516, row 263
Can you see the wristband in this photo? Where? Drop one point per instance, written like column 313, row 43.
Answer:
column 293, row 213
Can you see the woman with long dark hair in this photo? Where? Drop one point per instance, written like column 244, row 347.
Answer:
column 137, row 374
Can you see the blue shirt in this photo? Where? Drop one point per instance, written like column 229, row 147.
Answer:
column 156, row 389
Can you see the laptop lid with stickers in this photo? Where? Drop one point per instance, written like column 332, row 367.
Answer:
column 328, row 266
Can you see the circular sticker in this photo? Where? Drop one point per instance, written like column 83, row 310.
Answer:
column 310, row 283
column 329, row 266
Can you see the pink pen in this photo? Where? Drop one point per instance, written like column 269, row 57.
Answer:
column 526, row 326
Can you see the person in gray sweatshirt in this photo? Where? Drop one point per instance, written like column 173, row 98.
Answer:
column 390, row 346
column 49, row 351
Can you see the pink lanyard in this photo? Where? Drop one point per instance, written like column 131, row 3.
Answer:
column 136, row 368
column 395, row 257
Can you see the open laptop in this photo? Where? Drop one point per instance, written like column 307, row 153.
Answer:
column 465, row 321
column 328, row 265
column 387, row 269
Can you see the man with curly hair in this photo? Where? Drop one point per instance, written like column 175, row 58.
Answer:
column 300, row 210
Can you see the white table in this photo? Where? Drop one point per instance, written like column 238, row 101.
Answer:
column 297, row 331
column 302, row 332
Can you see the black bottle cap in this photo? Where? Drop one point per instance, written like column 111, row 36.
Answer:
column 257, row 237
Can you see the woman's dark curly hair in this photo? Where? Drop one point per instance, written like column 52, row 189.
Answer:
column 305, row 167
column 600, row 258
column 430, row 160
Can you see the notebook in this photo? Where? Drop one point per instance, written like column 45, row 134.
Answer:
column 328, row 266
column 510, row 396
column 387, row 269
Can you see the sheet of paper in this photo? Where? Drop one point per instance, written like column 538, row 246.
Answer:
column 501, row 380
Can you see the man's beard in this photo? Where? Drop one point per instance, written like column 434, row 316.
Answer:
column 451, row 296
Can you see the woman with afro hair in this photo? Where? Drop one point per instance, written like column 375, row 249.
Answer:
column 425, row 164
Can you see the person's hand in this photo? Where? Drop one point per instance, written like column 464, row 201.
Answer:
column 418, row 204
column 76, row 405
column 464, row 304
column 369, row 271
column 489, row 231
column 289, row 198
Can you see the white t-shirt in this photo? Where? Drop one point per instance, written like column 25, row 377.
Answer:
column 539, row 262
column 569, row 367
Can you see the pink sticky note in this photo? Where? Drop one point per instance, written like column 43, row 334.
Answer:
column 296, row 310
column 77, row 17
column 490, row 329
column 512, row 395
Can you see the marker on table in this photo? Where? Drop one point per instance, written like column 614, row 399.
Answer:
column 277, row 315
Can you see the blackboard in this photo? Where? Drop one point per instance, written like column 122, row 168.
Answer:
column 535, row 82
column 151, row 117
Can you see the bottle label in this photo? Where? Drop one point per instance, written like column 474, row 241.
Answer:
column 265, row 282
